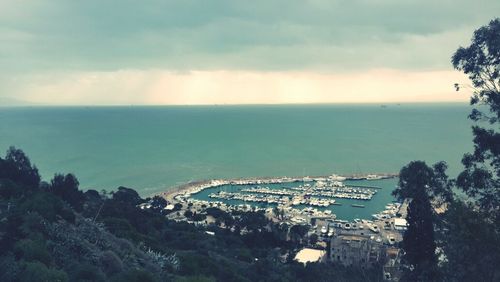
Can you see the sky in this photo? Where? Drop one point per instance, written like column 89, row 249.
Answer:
column 151, row 52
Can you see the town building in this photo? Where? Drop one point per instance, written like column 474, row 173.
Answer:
column 400, row 224
column 360, row 250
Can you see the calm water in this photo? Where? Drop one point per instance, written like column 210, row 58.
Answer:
column 344, row 211
column 153, row 148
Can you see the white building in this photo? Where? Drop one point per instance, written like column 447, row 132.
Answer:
column 400, row 224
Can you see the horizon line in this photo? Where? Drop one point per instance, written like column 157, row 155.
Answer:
column 29, row 105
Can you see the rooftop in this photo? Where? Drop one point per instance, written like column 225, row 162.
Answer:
column 309, row 255
column 400, row 222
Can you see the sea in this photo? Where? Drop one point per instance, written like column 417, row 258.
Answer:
column 155, row 148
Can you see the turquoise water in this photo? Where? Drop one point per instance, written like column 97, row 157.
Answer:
column 343, row 211
column 154, row 148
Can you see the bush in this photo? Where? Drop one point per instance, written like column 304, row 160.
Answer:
column 197, row 278
column 135, row 275
column 87, row 272
column 30, row 250
column 110, row 263
column 37, row 271
column 48, row 206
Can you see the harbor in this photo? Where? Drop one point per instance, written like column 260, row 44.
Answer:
column 356, row 215
column 334, row 196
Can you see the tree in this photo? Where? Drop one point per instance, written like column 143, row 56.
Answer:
column 421, row 184
column 417, row 178
column 297, row 232
column 135, row 275
column 66, row 187
column 471, row 245
column 188, row 213
column 37, row 271
column 17, row 167
column 127, row 195
column 481, row 62
column 253, row 221
column 471, row 231
column 313, row 239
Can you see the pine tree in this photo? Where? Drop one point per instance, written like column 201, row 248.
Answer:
column 421, row 185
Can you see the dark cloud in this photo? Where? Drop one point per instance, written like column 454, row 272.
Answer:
column 258, row 35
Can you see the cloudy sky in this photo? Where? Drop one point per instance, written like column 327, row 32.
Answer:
column 125, row 52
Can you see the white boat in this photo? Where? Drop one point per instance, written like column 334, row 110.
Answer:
column 336, row 177
column 373, row 177
column 374, row 228
column 324, row 230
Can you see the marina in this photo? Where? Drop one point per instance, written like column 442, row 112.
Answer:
column 343, row 197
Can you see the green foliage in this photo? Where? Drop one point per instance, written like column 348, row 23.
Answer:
column 221, row 216
column 121, row 227
column 53, row 232
column 17, row 167
column 47, row 205
column 9, row 189
column 253, row 221
column 87, row 272
column 419, row 242
column 66, row 187
column 420, row 184
column 481, row 62
column 10, row 268
column 471, row 231
column 110, row 263
column 135, row 275
column 188, row 214
column 197, row 278
column 297, row 232
column 471, row 245
column 417, row 179
column 30, row 250
column 199, row 217
column 36, row 271
column 313, row 239
column 127, row 195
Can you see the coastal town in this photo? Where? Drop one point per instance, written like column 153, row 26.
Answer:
column 360, row 241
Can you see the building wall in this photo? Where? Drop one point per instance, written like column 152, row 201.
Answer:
column 355, row 250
